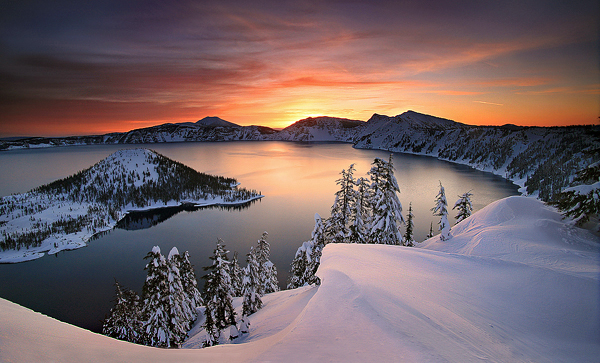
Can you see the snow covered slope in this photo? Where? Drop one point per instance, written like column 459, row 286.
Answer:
column 514, row 284
column 528, row 156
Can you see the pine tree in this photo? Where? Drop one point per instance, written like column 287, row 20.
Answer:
column 155, row 312
column 123, row 320
column 268, row 271
column 430, row 230
column 341, row 211
column 308, row 257
column 360, row 217
column 190, row 284
column 409, row 239
column 465, row 208
column 299, row 266
column 217, row 295
column 236, row 276
column 317, row 243
column 180, row 311
column 251, row 285
column 581, row 202
column 387, row 210
column 441, row 210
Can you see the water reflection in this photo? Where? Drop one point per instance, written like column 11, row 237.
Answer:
column 145, row 219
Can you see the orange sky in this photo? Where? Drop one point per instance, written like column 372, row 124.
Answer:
column 72, row 68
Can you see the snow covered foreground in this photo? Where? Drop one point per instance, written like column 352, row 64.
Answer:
column 514, row 284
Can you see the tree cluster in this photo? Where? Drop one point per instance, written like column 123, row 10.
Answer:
column 581, row 203
column 368, row 211
column 226, row 279
column 169, row 303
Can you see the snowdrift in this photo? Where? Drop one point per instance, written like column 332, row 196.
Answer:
column 515, row 283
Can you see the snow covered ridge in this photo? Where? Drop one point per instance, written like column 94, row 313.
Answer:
column 528, row 156
column 542, row 160
column 515, row 284
column 66, row 213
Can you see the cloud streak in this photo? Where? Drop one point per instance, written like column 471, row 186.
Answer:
column 265, row 62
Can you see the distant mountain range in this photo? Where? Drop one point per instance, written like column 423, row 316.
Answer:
column 542, row 160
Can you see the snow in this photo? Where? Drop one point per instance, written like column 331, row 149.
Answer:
column 584, row 188
column 516, row 283
column 46, row 208
column 174, row 251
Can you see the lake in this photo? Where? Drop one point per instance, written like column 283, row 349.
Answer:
column 297, row 179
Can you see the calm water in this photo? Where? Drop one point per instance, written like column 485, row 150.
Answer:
column 297, row 179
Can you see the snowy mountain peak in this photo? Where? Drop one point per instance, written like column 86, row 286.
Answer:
column 325, row 122
column 212, row 121
column 416, row 119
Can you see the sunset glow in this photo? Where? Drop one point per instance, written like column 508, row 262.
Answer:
column 72, row 68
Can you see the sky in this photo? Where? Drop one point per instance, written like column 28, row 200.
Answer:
column 93, row 67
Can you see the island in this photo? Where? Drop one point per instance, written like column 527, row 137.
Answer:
column 66, row 213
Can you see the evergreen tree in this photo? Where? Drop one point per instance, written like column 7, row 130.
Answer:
column 268, row 271
column 251, row 285
column 465, row 208
column 581, row 202
column 317, row 244
column 236, row 276
column 180, row 311
column 217, row 295
column 341, row 211
column 299, row 266
column 155, row 312
column 409, row 239
column 430, row 230
column 308, row 257
column 387, row 210
column 441, row 210
column 190, row 284
column 123, row 320
column 360, row 218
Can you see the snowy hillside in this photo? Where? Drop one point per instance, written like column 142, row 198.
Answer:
column 514, row 284
column 528, row 156
column 66, row 213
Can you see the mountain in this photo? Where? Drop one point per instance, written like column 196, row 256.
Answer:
column 541, row 160
column 321, row 129
column 515, row 283
column 211, row 121
column 66, row 213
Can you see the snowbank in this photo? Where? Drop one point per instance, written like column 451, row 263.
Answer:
column 515, row 283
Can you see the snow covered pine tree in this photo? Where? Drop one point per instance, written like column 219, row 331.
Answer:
column 441, row 210
column 409, row 239
column 190, row 284
column 465, row 208
column 217, row 296
column 123, row 320
column 155, row 312
column 250, row 285
column 337, row 226
column 268, row 271
column 308, row 257
column 387, row 210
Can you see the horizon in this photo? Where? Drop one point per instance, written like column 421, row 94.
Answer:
column 71, row 68
column 20, row 137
